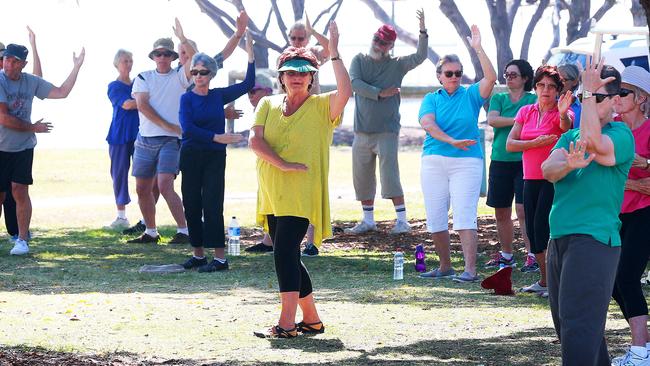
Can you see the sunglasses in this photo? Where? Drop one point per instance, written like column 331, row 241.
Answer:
column 292, row 73
column 255, row 90
column 380, row 41
column 625, row 92
column 541, row 85
column 203, row 72
column 599, row 97
column 162, row 53
column 511, row 75
column 299, row 39
column 457, row 73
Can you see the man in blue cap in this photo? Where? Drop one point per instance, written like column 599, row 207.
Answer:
column 17, row 132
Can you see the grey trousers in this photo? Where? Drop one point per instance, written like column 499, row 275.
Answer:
column 580, row 274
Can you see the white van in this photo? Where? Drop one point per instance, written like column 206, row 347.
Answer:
column 621, row 47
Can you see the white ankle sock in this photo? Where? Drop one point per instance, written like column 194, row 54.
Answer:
column 400, row 210
column 151, row 232
column 121, row 214
column 182, row 230
column 639, row 351
column 368, row 214
column 507, row 256
column 220, row 260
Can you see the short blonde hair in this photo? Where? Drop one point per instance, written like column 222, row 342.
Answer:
column 121, row 53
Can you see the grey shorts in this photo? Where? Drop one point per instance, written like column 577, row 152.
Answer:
column 365, row 149
column 154, row 155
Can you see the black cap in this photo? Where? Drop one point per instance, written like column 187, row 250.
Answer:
column 17, row 51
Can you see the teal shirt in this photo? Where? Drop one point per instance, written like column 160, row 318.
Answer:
column 588, row 201
column 501, row 103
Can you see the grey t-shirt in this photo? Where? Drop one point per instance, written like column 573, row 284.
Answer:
column 18, row 96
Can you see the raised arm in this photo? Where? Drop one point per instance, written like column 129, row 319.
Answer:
column 560, row 162
column 412, row 61
column 142, row 100
column 187, row 46
column 494, row 119
column 364, row 89
column 590, row 128
column 324, row 51
column 489, row 75
column 37, row 70
column 428, row 123
column 234, row 91
column 65, row 88
column 18, row 124
column 233, row 41
column 343, row 92
column 563, row 106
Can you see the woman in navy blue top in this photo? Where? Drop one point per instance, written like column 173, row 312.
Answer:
column 122, row 134
column 203, row 157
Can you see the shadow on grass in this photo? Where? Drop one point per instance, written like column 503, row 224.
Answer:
column 78, row 261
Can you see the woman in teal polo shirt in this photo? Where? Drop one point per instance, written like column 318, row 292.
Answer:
column 452, row 161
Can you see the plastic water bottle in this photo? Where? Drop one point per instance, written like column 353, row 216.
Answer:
column 398, row 268
column 420, row 266
column 233, row 236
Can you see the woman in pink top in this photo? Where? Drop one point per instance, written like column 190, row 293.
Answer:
column 633, row 108
column 536, row 129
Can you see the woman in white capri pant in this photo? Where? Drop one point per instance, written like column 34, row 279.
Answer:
column 452, row 161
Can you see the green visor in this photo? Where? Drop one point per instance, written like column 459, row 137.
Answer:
column 297, row 65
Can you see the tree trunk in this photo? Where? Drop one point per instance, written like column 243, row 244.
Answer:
column 579, row 11
column 646, row 7
column 403, row 35
column 500, row 20
column 638, row 14
column 449, row 8
column 556, row 31
column 298, row 9
column 525, row 44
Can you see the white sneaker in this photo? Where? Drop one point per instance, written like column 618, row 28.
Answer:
column 118, row 224
column 20, row 247
column 401, row 227
column 534, row 288
column 360, row 228
column 631, row 359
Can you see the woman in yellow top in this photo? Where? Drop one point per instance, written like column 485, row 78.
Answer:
column 291, row 137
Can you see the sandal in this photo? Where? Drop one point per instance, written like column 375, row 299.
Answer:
column 309, row 328
column 276, row 332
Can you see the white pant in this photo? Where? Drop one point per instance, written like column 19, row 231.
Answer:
column 443, row 178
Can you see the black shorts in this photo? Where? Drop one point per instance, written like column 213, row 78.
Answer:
column 506, row 179
column 16, row 167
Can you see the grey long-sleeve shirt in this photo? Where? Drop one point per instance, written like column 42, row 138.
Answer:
column 369, row 77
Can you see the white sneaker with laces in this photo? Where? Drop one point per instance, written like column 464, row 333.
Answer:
column 20, row 247
column 401, row 227
column 360, row 228
column 534, row 288
column 118, row 224
column 631, row 359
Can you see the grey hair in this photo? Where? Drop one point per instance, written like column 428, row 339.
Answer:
column 297, row 25
column 448, row 59
column 638, row 92
column 190, row 42
column 121, row 53
column 207, row 61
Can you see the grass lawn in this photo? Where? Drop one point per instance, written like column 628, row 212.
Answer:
column 80, row 292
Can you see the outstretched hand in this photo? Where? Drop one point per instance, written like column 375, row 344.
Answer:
column 333, row 44
column 231, row 113
column 591, row 80
column 42, row 127
column 79, row 60
column 564, row 103
column 308, row 29
column 241, row 23
column 462, row 144
column 178, row 30
column 32, row 37
column 249, row 46
column 228, row 138
column 475, row 39
column 575, row 157
column 293, row 167
column 420, row 15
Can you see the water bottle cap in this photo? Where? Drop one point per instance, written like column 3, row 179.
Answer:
column 234, row 217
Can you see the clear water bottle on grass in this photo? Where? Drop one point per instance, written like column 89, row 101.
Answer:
column 234, row 233
column 398, row 266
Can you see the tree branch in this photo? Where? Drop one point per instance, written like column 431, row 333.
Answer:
column 268, row 22
column 278, row 18
column 298, row 9
column 332, row 17
column 512, row 11
column 528, row 34
column 326, row 11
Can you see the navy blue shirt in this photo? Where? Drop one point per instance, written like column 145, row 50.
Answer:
column 202, row 116
column 125, row 123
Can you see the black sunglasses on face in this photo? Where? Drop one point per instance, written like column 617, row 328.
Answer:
column 203, row 72
column 457, row 73
column 510, row 75
column 299, row 39
column 380, row 41
column 599, row 97
column 161, row 53
column 625, row 92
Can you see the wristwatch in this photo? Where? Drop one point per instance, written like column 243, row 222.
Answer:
column 647, row 164
column 586, row 94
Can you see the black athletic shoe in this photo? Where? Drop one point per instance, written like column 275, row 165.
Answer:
column 180, row 238
column 214, row 266
column 310, row 250
column 135, row 229
column 144, row 239
column 260, row 248
column 194, row 262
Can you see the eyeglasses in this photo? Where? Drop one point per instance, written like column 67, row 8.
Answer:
column 162, row 53
column 541, row 85
column 295, row 38
column 511, row 75
column 457, row 73
column 292, row 73
column 380, row 41
column 625, row 92
column 599, row 97
column 203, row 72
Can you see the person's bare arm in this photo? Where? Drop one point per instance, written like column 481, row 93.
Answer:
column 65, row 88
column 142, row 101
column 562, row 162
column 324, row 51
column 37, row 70
column 241, row 23
column 428, row 123
column 187, row 46
column 489, row 75
column 343, row 92
column 266, row 153
column 639, row 185
column 494, row 119
column 18, row 124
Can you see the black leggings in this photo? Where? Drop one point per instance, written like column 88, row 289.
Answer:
column 11, row 221
column 287, row 233
column 635, row 251
column 538, row 199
